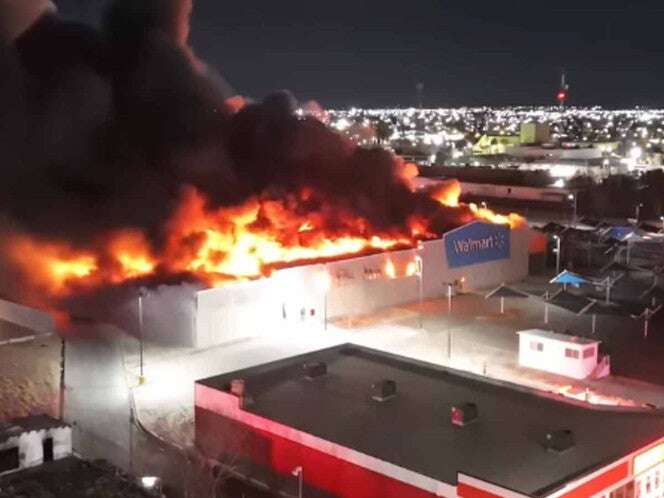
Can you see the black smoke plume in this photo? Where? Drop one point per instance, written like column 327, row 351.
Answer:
column 101, row 129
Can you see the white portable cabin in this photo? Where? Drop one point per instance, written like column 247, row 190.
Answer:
column 561, row 354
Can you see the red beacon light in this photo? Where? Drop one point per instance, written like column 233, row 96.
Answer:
column 562, row 97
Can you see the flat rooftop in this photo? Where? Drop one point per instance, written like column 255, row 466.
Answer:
column 69, row 478
column 17, row 426
column 554, row 336
column 413, row 430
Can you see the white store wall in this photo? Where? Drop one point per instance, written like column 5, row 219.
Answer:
column 302, row 296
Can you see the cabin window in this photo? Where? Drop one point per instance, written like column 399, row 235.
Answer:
column 572, row 353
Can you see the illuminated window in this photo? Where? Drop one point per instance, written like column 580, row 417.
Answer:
column 589, row 352
column 536, row 346
column 571, row 353
column 648, row 459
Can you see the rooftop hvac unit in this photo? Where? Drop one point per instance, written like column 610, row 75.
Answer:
column 313, row 369
column 559, row 441
column 237, row 387
column 464, row 414
column 383, row 390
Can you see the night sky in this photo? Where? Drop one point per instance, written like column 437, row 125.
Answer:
column 478, row 52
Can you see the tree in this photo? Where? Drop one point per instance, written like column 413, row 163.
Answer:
column 383, row 131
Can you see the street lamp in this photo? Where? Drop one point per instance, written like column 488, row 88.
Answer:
column 299, row 473
column 638, row 211
column 647, row 315
column 449, row 296
column 63, row 359
column 558, row 241
column 142, row 292
column 575, row 199
column 324, row 282
column 419, row 269
column 661, row 218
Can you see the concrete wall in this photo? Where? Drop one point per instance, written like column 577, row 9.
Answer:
column 306, row 296
column 24, row 316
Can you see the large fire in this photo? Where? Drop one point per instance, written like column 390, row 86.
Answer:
column 229, row 243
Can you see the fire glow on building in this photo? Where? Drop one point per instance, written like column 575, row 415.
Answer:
column 216, row 246
column 184, row 182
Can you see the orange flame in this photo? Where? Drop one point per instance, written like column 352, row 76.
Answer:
column 229, row 243
column 449, row 193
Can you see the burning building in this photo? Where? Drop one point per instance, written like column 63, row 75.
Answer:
column 156, row 176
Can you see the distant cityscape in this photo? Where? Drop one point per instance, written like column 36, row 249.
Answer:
column 613, row 141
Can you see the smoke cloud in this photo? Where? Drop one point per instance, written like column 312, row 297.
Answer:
column 102, row 129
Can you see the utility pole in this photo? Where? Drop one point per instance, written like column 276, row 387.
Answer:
column 638, row 211
column 299, row 473
column 575, row 199
column 61, row 401
column 449, row 298
column 558, row 240
column 418, row 261
column 141, row 293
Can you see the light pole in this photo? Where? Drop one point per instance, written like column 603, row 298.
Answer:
column 638, row 211
column 449, row 346
column 299, row 473
column 63, row 352
column 574, row 198
column 141, row 293
column 661, row 219
column 628, row 253
column 647, row 315
column 558, row 240
column 324, row 283
column 449, row 297
column 420, row 270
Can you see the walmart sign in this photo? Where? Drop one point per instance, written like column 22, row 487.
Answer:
column 477, row 242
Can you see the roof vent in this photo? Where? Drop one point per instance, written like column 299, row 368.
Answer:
column 237, row 387
column 464, row 414
column 559, row 441
column 313, row 369
column 383, row 390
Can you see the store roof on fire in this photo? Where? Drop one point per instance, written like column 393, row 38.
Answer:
column 504, row 445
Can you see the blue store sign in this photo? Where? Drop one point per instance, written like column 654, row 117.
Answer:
column 477, row 242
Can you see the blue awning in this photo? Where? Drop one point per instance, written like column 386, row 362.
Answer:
column 620, row 233
column 568, row 278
